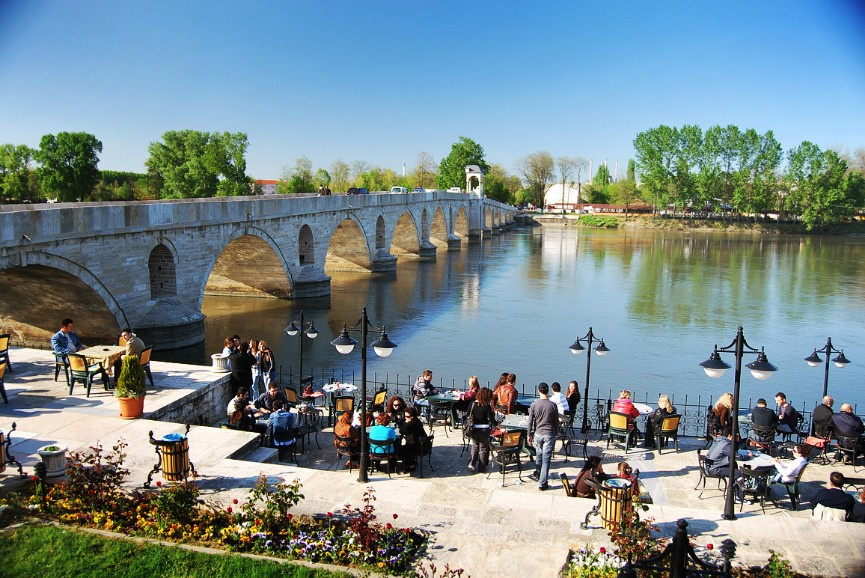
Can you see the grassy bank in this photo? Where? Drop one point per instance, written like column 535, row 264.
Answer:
column 58, row 552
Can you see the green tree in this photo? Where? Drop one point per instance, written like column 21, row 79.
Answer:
column 321, row 178
column 15, row 169
column 452, row 169
column 819, row 190
column 632, row 170
column 654, row 159
column 424, row 171
column 499, row 185
column 339, row 174
column 69, row 162
column 196, row 164
column 537, row 170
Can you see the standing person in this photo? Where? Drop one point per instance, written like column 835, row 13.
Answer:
column 256, row 369
column 788, row 417
column 557, row 398
column 573, row 396
column 722, row 410
column 134, row 346
column 506, row 401
column 228, row 349
column 821, row 418
column 543, row 428
column 241, row 367
column 656, row 419
column 503, row 379
column 66, row 340
column 266, row 363
column 484, row 418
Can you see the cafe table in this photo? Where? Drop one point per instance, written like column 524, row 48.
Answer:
column 519, row 422
column 446, row 400
column 104, row 355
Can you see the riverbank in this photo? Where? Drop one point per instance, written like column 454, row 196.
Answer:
column 695, row 224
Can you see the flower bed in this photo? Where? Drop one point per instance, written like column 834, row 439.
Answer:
column 93, row 496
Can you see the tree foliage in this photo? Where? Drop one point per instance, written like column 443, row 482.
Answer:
column 819, row 188
column 339, row 175
column 424, row 172
column 500, row 185
column 69, row 162
column 537, row 170
column 194, row 164
column 452, row 169
column 15, row 172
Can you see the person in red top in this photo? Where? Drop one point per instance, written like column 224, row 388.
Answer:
column 626, row 406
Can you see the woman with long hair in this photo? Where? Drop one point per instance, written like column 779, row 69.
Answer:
column 484, row 418
column 266, row 363
column 413, row 437
column 655, row 419
column 572, row 396
column 395, row 409
column 256, row 369
column 592, row 470
column 469, row 396
column 722, row 410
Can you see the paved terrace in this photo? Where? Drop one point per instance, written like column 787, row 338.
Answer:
column 476, row 523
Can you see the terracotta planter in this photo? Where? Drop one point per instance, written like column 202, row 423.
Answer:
column 54, row 460
column 131, row 407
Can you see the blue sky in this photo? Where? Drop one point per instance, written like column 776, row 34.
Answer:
column 383, row 81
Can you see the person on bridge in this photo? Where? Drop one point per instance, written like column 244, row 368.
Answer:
column 66, row 341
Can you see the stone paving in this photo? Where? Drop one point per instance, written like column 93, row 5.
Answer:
column 477, row 524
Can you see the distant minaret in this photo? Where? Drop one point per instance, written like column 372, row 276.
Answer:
column 590, row 169
column 617, row 170
column 403, row 169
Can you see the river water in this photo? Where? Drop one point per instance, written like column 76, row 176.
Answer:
column 661, row 300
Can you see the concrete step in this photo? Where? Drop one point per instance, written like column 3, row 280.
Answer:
column 263, row 455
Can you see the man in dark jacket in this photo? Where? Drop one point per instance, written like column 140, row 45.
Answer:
column 847, row 424
column 821, row 418
column 763, row 416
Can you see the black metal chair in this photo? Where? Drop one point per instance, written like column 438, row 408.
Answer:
column 144, row 362
column 762, row 439
column 569, row 436
column 754, row 482
column 669, row 429
column 848, row 446
column 619, row 427
column 382, row 450
column 344, row 448
column 426, row 450
column 507, row 451
column 705, row 474
column 291, row 397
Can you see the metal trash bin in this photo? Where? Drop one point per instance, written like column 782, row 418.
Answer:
column 615, row 499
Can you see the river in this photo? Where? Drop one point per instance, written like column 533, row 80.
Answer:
column 660, row 299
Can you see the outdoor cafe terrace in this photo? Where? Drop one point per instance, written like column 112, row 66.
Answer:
column 476, row 523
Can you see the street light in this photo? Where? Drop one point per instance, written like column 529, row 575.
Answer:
column 577, row 348
column 382, row 347
column 311, row 332
column 840, row 361
column 715, row 367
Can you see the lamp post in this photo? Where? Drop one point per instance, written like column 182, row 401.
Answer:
column 840, row 361
column 577, row 348
column 382, row 347
column 715, row 367
column 311, row 332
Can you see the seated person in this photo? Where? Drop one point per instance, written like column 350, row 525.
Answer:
column 423, row 387
column 763, row 416
column 821, row 418
column 573, row 396
column 626, row 406
column 280, row 423
column 266, row 400
column 626, row 472
column 413, row 437
column 66, row 341
column 848, row 424
column 134, row 346
column 240, row 413
column 787, row 473
column 719, row 455
column 834, row 496
column 721, row 412
column 344, row 429
column 382, row 433
column 558, row 398
column 656, row 420
column 592, row 470
column 395, row 409
column 506, row 401
column 788, row 417
column 469, row 396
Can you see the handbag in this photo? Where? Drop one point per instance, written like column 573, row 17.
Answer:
column 469, row 421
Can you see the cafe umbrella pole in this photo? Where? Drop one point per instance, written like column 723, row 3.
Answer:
column 840, row 361
column 383, row 347
column 715, row 367
column 577, row 348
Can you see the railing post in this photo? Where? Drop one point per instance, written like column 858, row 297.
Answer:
column 680, row 550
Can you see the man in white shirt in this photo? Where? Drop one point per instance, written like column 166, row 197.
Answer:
column 557, row 397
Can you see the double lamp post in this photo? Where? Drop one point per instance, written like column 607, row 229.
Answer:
column 839, row 361
column 577, row 348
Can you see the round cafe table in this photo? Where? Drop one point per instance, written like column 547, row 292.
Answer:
column 643, row 408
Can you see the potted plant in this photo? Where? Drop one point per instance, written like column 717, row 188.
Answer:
column 54, row 458
column 131, row 388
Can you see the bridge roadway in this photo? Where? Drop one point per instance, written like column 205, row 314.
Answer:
column 148, row 264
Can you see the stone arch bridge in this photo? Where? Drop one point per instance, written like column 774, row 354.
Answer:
column 148, row 264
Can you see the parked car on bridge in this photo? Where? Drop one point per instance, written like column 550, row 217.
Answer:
column 455, row 190
column 418, row 190
column 401, row 190
column 357, row 191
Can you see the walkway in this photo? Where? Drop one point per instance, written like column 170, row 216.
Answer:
column 477, row 524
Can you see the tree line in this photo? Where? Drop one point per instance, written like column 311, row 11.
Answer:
column 719, row 170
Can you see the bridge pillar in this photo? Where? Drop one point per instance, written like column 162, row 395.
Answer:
column 309, row 282
column 454, row 243
column 427, row 252
column 383, row 262
column 168, row 323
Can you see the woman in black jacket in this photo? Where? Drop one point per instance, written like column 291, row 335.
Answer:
column 413, row 436
column 484, row 417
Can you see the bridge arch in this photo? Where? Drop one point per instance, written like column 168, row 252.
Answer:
column 406, row 240
column 348, row 249
column 34, row 292
column 305, row 246
column 162, row 269
column 250, row 263
column 461, row 224
column 439, row 232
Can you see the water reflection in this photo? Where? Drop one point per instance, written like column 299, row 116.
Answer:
column 660, row 299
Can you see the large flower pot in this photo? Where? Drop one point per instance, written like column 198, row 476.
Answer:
column 131, row 407
column 54, row 458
